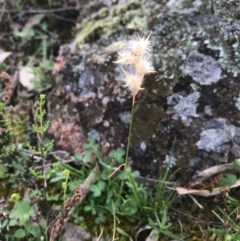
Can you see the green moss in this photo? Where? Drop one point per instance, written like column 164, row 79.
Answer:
column 138, row 21
column 102, row 13
column 93, row 29
column 109, row 23
column 130, row 16
column 122, row 9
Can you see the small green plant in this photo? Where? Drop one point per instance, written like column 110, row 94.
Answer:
column 161, row 225
column 106, row 190
column 40, row 128
column 19, row 219
column 65, row 173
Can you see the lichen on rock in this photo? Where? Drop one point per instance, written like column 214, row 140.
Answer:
column 183, row 26
column 185, row 107
column 217, row 136
column 202, row 68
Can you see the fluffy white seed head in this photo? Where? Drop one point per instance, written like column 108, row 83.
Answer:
column 140, row 46
column 135, row 55
column 133, row 82
column 125, row 58
column 144, row 66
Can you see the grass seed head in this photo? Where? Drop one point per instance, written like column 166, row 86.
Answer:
column 144, row 66
column 125, row 58
column 132, row 82
column 135, row 54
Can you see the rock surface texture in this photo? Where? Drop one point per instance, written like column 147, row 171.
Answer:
column 189, row 110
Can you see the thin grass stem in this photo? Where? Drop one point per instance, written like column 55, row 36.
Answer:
column 127, row 153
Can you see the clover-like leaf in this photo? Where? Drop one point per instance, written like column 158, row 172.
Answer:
column 20, row 233
column 228, row 179
column 96, row 190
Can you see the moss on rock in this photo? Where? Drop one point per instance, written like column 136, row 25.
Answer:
column 110, row 21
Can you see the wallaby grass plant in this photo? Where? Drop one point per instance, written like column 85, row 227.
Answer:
column 135, row 57
column 121, row 195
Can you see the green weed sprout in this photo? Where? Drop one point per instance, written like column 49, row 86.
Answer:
column 37, row 174
column 41, row 128
column 66, row 174
column 15, row 197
